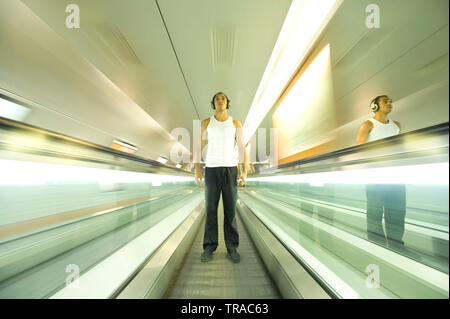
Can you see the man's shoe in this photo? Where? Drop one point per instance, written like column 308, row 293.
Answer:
column 234, row 256
column 206, row 255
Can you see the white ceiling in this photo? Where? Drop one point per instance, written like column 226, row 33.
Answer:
column 135, row 70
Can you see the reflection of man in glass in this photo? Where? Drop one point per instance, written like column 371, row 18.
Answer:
column 389, row 199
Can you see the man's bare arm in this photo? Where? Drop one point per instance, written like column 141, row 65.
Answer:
column 242, row 152
column 198, row 157
column 399, row 126
column 363, row 132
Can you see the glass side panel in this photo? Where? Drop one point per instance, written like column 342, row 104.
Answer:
column 379, row 239
column 58, row 218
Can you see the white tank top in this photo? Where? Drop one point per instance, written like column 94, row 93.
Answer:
column 381, row 130
column 221, row 150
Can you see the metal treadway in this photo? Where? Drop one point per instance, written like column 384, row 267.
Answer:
column 220, row 277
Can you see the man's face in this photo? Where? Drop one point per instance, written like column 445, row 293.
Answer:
column 220, row 102
column 385, row 103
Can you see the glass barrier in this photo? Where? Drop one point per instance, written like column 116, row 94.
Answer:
column 56, row 219
column 367, row 233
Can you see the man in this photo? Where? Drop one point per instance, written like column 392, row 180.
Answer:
column 389, row 199
column 223, row 133
column 379, row 126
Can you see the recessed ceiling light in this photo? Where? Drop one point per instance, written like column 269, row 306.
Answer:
column 162, row 160
column 12, row 110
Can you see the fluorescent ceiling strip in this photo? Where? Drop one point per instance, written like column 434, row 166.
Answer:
column 12, row 111
column 303, row 24
column 434, row 174
column 162, row 160
column 125, row 144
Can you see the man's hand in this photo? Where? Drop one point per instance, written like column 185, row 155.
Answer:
column 198, row 177
column 243, row 178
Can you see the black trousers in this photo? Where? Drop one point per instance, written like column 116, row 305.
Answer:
column 221, row 180
column 390, row 200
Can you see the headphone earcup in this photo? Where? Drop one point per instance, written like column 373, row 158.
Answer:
column 374, row 106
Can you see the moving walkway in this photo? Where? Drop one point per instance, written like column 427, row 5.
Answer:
column 300, row 236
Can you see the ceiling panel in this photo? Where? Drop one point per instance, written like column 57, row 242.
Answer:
column 166, row 58
column 68, row 93
column 224, row 46
column 369, row 61
column 109, row 35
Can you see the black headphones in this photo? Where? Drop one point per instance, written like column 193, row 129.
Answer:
column 212, row 101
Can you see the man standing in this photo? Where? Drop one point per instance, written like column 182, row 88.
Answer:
column 223, row 134
column 389, row 199
column 379, row 126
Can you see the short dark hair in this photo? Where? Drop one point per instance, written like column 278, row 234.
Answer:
column 228, row 100
column 377, row 99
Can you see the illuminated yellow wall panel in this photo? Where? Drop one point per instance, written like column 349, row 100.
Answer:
column 306, row 116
